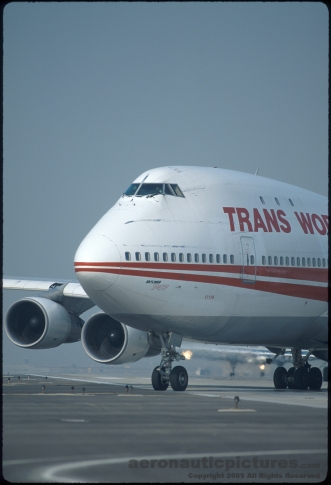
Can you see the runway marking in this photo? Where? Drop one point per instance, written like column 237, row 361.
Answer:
column 85, row 380
column 80, row 458
column 75, row 420
column 233, row 410
column 52, row 394
column 274, row 398
column 52, row 474
column 140, row 395
column 204, row 394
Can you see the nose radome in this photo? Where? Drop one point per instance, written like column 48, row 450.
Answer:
column 94, row 263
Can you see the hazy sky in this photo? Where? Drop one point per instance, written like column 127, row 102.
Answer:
column 97, row 93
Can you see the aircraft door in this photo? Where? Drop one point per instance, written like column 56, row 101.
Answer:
column 249, row 259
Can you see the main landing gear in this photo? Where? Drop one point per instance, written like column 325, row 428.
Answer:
column 300, row 376
column 163, row 375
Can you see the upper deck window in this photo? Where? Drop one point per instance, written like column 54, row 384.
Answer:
column 142, row 190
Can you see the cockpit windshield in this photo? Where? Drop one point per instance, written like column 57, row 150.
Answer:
column 140, row 190
column 150, row 189
column 132, row 189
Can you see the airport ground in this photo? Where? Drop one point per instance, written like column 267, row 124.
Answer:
column 104, row 434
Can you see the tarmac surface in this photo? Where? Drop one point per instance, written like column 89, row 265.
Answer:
column 104, row 434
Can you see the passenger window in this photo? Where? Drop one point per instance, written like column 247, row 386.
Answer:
column 303, row 261
column 298, row 261
column 225, row 258
column 218, row 258
column 181, row 257
column 204, row 259
column 319, row 262
column 308, row 262
column 277, row 201
column 287, row 261
column 147, row 257
column 314, row 262
column 262, row 200
column 275, row 260
column 211, row 258
column 128, row 256
column 281, row 261
column 196, row 257
column 173, row 257
column 156, row 256
column 324, row 262
column 291, row 202
column 138, row 257
column 165, row 257
column 293, row 261
column 189, row 258
column 269, row 260
column 231, row 259
column 252, row 259
column 263, row 260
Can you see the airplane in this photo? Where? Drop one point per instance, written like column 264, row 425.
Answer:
column 200, row 254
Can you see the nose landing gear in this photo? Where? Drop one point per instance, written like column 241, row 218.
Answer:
column 300, row 376
column 163, row 375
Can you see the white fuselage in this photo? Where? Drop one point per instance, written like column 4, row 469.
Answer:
column 240, row 259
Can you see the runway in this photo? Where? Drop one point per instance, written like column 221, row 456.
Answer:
column 60, row 434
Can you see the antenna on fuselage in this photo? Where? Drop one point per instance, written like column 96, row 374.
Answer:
column 257, row 171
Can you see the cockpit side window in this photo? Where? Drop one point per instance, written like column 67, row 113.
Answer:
column 168, row 190
column 177, row 190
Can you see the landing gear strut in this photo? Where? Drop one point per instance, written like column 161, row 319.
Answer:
column 163, row 375
column 300, row 376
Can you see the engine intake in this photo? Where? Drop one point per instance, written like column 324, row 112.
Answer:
column 108, row 341
column 39, row 323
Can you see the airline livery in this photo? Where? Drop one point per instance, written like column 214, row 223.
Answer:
column 194, row 253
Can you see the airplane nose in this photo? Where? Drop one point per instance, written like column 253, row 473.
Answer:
column 96, row 263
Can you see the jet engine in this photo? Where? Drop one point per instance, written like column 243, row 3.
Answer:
column 39, row 323
column 109, row 341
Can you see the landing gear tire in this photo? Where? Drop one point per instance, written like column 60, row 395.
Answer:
column 157, row 381
column 290, row 374
column 315, row 379
column 280, row 378
column 179, row 378
column 301, row 378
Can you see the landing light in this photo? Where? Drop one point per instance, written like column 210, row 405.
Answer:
column 187, row 354
column 262, row 366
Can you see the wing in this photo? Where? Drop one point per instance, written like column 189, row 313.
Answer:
column 71, row 288
column 69, row 293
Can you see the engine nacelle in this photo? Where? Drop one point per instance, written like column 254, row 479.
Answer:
column 39, row 323
column 108, row 341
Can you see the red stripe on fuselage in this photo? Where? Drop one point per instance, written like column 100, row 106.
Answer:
column 304, row 274
column 281, row 288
